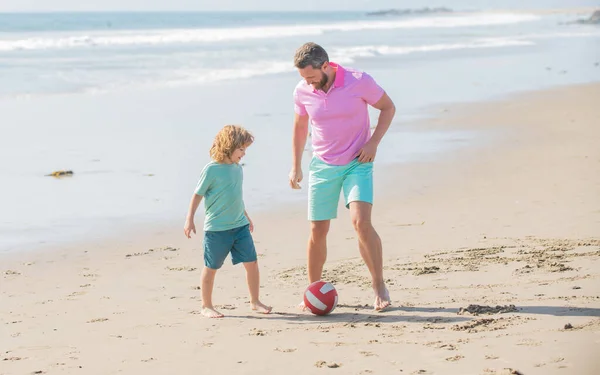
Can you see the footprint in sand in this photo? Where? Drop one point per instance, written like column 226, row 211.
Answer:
column 75, row 294
column 426, row 270
column 506, row 371
column 184, row 268
column 441, row 345
column 555, row 360
column 479, row 309
column 226, row 307
column 257, row 332
column 320, row 364
column 150, row 251
column 285, row 350
column 137, row 254
column 97, row 320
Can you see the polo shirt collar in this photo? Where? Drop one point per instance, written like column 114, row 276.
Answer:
column 339, row 74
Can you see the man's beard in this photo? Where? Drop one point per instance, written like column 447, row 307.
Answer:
column 322, row 82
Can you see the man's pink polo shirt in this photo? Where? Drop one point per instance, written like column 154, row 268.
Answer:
column 340, row 117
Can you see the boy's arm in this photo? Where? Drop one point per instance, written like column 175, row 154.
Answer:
column 189, row 221
column 250, row 220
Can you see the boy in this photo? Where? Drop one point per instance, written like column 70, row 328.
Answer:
column 227, row 227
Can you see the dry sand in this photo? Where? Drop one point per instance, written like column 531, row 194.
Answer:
column 512, row 224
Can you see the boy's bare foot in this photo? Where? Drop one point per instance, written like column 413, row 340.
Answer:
column 210, row 312
column 382, row 299
column 261, row 307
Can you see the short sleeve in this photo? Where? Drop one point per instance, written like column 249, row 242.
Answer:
column 370, row 91
column 299, row 108
column 204, row 182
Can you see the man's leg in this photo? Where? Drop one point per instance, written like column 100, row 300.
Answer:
column 324, row 187
column 317, row 249
column 371, row 250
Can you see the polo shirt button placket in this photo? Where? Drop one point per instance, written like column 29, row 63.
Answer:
column 324, row 95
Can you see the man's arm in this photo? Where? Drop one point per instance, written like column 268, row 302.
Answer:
column 298, row 143
column 387, row 111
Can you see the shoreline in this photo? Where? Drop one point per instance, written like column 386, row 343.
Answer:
column 430, row 120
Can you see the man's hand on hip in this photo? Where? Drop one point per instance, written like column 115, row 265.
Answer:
column 295, row 178
column 367, row 153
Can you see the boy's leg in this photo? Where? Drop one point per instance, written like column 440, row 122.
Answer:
column 253, row 279
column 216, row 247
column 208, row 281
column 243, row 251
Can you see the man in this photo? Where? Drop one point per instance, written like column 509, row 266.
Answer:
column 336, row 100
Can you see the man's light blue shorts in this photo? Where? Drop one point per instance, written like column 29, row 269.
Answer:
column 219, row 244
column 326, row 181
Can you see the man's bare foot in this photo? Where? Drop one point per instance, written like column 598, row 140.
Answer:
column 382, row 299
column 302, row 307
column 210, row 312
column 261, row 307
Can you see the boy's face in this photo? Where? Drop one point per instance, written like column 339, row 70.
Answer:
column 238, row 154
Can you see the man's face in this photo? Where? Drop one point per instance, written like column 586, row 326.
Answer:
column 315, row 77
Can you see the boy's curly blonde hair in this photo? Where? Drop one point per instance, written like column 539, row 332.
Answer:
column 229, row 139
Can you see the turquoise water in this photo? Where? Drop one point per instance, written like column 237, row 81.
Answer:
column 65, row 53
column 114, row 21
column 131, row 101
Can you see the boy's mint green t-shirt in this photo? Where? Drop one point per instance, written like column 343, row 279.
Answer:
column 221, row 187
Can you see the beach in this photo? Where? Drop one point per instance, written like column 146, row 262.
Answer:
column 511, row 222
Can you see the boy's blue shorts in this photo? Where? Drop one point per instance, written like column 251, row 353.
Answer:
column 237, row 241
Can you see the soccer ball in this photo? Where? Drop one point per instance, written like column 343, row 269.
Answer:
column 320, row 297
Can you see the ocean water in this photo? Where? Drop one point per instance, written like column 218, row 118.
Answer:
column 130, row 102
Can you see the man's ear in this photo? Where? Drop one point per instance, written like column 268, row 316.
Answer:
column 325, row 66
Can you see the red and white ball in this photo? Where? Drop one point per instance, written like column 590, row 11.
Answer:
column 320, row 297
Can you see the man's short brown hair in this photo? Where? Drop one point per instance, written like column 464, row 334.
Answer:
column 310, row 54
